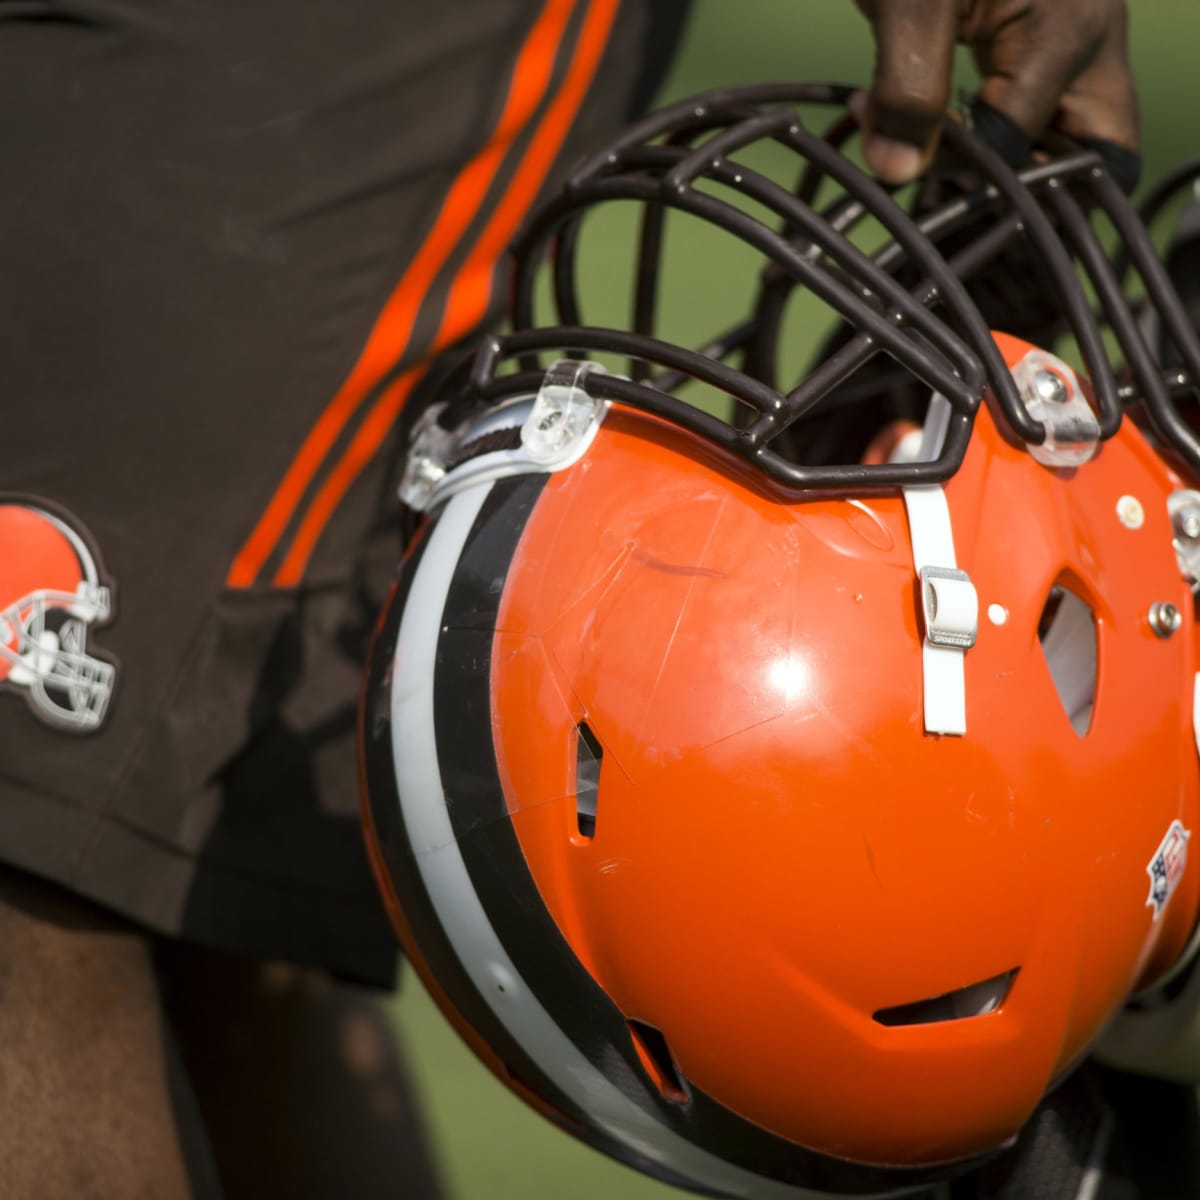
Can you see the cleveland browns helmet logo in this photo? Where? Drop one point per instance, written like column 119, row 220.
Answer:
column 50, row 593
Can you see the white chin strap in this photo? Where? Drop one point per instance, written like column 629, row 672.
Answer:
column 950, row 610
column 949, row 603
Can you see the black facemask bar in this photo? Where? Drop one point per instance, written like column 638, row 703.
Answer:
column 910, row 300
column 1181, row 258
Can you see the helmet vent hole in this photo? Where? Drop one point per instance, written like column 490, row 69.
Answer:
column 975, row 1000
column 1067, row 633
column 657, row 1061
column 588, row 756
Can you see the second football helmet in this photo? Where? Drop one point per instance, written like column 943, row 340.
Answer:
column 781, row 814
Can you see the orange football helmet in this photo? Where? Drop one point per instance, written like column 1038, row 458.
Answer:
column 777, row 822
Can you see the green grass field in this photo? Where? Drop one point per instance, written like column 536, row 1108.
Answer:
column 488, row 1146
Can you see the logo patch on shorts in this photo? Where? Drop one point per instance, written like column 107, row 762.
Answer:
column 1166, row 867
column 51, row 593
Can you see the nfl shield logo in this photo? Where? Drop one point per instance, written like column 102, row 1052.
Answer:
column 1166, row 867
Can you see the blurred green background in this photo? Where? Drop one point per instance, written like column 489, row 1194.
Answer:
column 486, row 1144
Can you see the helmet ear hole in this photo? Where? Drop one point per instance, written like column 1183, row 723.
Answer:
column 658, row 1061
column 588, row 756
column 1067, row 634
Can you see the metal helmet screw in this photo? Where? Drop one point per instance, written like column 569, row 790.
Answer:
column 1165, row 619
column 1187, row 523
column 1049, row 386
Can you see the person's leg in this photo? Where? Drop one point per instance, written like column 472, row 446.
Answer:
column 300, row 1081
column 87, row 1102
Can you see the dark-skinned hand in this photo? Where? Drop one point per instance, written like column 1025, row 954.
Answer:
column 1060, row 63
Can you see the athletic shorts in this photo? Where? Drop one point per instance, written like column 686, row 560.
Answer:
column 233, row 236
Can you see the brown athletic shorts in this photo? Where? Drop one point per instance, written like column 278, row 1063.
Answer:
column 233, row 235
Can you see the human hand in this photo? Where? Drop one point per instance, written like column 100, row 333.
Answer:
column 1043, row 62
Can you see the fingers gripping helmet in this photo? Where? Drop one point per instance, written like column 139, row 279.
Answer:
column 50, row 593
column 781, row 805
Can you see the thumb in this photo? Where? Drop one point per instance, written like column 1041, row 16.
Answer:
column 914, row 58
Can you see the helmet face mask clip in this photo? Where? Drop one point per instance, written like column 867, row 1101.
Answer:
column 750, row 760
column 548, row 432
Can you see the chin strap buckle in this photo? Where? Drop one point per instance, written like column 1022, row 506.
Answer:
column 950, row 607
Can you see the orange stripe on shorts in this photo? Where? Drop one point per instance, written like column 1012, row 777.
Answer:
column 471, row 289
column 390, row 335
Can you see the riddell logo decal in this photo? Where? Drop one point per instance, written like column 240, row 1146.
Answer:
column 1166, row 867
column 51, row 593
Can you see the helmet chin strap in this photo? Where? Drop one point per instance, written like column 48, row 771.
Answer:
column 949, row 603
